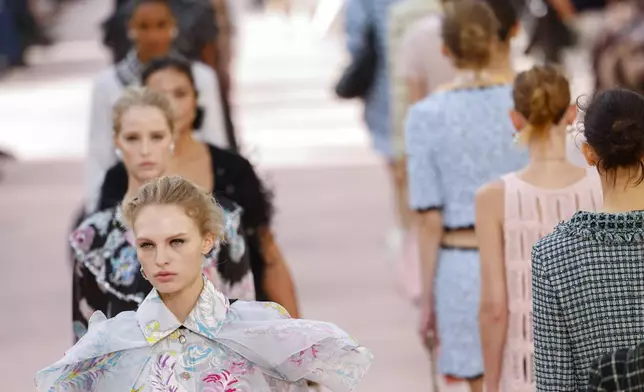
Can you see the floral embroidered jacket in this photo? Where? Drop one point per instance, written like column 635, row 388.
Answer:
column 243, row 347
column 107, row 273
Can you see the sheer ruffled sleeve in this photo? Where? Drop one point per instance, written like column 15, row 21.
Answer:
column 111, row 353
column 294, row 349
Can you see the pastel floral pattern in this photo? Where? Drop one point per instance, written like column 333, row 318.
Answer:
column 212, row 351
column 125, row 267
column 223, row 382
column 83, row 376
column 162, row 375
column 83, row 238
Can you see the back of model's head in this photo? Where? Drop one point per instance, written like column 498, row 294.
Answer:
column 469, row 32
column 505, row 12
column 614, row 128
column 542, row 96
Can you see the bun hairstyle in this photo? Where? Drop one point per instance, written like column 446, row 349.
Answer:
column 141, row 97
column 197, row 203
column 614, row 127
column 469, row 31
column 542, row 96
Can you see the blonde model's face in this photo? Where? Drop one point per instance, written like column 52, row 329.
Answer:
column 145, row 141
column 170, row 247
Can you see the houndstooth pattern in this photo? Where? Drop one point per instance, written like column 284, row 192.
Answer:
column 621, row 370
column 588, row 295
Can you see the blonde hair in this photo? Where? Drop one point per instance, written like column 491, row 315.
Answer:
column 199, row 204
column 469, row 31
column 141, row 97
column 542, row 96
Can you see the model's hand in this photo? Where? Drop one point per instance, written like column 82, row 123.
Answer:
column 427, row 328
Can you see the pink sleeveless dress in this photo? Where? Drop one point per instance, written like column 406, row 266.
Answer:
column 531, row 213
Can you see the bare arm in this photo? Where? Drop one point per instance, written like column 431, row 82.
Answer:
column 278, row 283
column 493, row 310
column 430, row 226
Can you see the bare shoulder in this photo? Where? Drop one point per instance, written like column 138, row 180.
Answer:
column 491, row 193
column 490, row 203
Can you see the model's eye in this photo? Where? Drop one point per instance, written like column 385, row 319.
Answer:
column 146, row 245
column 177, row 242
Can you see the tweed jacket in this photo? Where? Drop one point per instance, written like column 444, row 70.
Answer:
column 588, row 295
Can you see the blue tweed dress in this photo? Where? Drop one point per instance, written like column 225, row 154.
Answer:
column 458, row 141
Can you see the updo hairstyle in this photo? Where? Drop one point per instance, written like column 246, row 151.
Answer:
column 542, row 96
column 469, row 31
column 198, row 204
column 614, row 127
column 141, row 97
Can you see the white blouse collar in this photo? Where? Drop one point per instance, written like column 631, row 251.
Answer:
column 206, row 318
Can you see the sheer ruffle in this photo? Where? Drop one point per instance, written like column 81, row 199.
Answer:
column 112, row 355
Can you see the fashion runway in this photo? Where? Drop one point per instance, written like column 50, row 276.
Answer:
column 331, row 192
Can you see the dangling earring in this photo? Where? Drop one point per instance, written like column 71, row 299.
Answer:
column 172, row 148
column 143, row 274
column 119, row 153
column 515, row 138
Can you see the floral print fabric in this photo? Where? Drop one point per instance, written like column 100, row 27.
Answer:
column 246, row 346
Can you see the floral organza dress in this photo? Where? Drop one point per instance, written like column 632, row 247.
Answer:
column 238, row 347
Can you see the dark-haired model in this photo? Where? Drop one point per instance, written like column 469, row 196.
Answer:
column 588, row 275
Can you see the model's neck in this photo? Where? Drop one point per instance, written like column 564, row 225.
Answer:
column 133, row 186
column 185, row 143
column 502, row 62
column 182, row 302
column 551, row 148
column 143, row 57
column 620, row 193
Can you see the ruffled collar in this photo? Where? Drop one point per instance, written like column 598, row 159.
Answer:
column 627, row 227
column 206, row 319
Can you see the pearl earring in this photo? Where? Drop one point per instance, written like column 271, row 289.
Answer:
column 119, row 153
column 515, row 138
column 172, row 147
